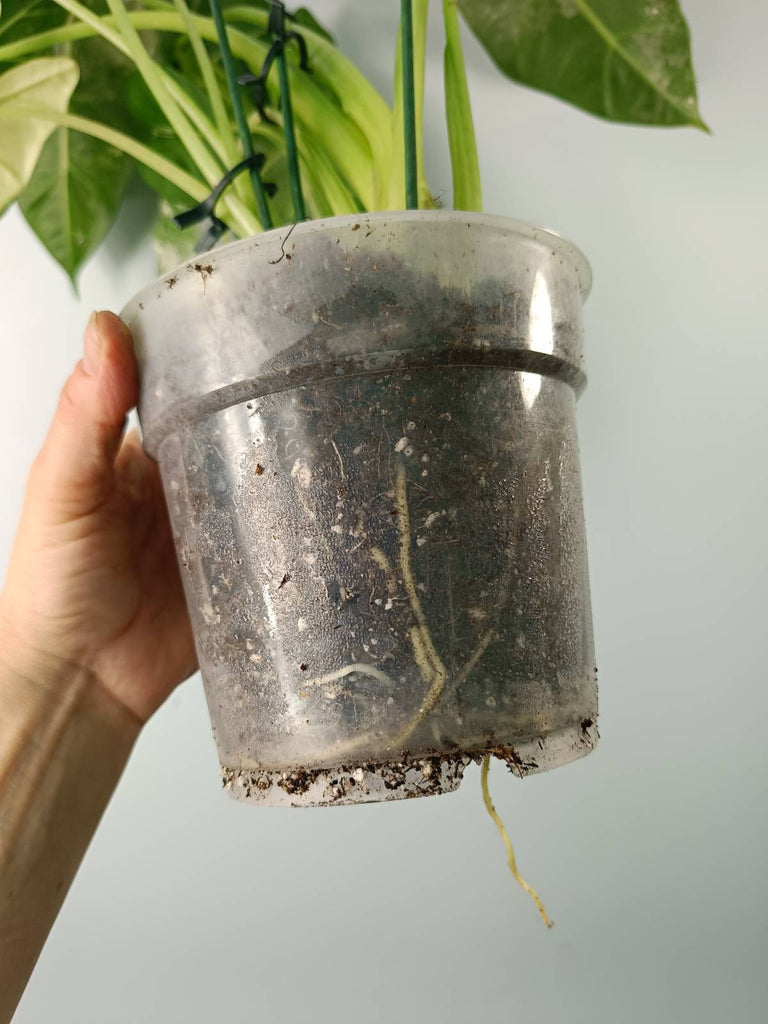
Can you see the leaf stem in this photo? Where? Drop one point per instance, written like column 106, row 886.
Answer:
column 193, row 187
column 237, row 105
column 122, row 33
column 210, row 81
column 467, row 191
column 359, row 100
column 360, row 153
column 318, row 163
column 409, row 106
column 154, row 80
column 200, row 120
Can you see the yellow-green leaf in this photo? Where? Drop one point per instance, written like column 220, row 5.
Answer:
column 467, row 191
column 45, row 82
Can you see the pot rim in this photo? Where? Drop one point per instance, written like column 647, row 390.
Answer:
column 521, row 228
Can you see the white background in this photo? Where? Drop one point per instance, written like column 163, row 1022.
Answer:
column 651, row 854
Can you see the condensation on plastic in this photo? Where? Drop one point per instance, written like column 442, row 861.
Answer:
column 366, row 431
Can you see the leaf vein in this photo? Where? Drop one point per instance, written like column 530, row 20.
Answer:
column 611, row 40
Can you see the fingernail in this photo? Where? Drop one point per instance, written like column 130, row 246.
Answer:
column 93, row 346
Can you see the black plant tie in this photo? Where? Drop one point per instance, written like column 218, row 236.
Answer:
column 256, row 85
column 204, row 210
column 277, row 29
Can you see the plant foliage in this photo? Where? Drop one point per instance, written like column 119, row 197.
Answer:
column 92, row 89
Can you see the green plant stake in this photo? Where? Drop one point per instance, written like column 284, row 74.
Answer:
column 409, row 107
column 237, row 105
column 277, row 28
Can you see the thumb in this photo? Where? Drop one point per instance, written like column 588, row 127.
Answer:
column 76, row 464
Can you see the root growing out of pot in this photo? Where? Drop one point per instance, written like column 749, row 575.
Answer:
column 507, row 843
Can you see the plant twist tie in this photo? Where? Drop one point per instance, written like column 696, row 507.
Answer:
column 204, row 211
column 256, row 85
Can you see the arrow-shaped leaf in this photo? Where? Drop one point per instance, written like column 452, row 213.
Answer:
column 625, row 60
column 78, row 185
column 45, row 82
column 74, row 195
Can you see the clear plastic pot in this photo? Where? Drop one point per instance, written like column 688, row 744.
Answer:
column 366, row 431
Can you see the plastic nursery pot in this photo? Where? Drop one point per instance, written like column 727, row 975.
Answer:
column 367, row 439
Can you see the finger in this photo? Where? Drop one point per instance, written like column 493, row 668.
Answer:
column 134, row 470
column 76, row 465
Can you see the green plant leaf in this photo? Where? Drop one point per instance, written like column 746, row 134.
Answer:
column 74, row 195
column 23, row 19
column 78, row 186
column 624, row 60
column 152, row 128
column 20, row 19
column 346, row 91
column 45, row 82
column 172, row 246
column 467, row 191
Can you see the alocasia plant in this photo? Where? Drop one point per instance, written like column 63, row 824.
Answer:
column 91, row 89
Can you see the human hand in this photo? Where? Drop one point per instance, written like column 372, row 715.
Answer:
column 93, row 580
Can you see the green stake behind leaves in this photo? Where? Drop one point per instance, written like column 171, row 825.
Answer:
column 624, row 60
column 237, row 105
column 292, row 156
column 409, row 106
column 277, row 28
column 396, row 192
column 351, row 91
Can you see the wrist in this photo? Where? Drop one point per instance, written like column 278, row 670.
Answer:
column 25, row 665
column 35, row 682
column 63, row 745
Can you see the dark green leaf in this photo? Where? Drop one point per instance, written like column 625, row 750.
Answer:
column 176, row 199
column 76, row 191
column 625, row 60
column 104, row 73
column 22, row 18
column 74, row 195
column 152, row 128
